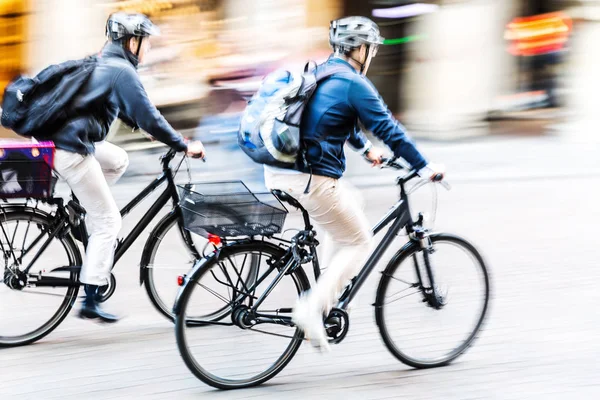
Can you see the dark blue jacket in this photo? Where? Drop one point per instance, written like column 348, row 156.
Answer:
column 113, row 90
column 330, row 119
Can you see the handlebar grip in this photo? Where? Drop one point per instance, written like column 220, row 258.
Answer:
column 439, row 178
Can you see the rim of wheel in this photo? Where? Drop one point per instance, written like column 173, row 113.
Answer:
column 420, row 323
column 43, row 299
column 265, row 348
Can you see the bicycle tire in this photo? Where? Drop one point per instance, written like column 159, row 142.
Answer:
column 147, row 276
column 302, row 284
column 75, row 259
column 387, row 276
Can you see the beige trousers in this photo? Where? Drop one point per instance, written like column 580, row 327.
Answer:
column 337, row 208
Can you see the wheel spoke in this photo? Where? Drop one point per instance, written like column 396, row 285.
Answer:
column 168, row 267
column 402, row 297
column 215, row 294
column 37, row 292
column 212, row 352
column 35, row 310
column 435, row 329
column 403, row 281
column 270, row 333
column 239, row 274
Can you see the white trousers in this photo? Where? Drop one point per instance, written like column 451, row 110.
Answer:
column 89, row 177
column 337, row 208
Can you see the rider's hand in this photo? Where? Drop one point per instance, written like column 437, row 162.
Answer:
column 149, row 137
column 375, row 154
column 432, row 170
column 195, row 149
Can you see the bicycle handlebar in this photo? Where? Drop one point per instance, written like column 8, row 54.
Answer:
column 170, row 154
column 392, row 163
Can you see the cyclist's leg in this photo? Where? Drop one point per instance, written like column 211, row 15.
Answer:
column 113, row 160
column 337, row 208
column 328, row 246
column 86, row 179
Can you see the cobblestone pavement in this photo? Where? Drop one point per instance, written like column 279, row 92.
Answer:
column 538, row 236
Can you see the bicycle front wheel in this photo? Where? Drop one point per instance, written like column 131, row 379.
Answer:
column 29, row 310
column 427, row 327
column 237, row 352
column 169, row 254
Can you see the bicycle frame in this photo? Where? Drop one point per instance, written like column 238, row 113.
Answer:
column 399, row 216
column 170, row 192
column 124, row 244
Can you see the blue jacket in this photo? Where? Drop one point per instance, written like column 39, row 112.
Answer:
column 113, row 90
column 330, row 119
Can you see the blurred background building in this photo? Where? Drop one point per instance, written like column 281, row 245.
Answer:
column 449, row 69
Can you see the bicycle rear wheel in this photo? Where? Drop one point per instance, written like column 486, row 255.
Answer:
column 29, row 312
column 418, row 329
column 234, row 353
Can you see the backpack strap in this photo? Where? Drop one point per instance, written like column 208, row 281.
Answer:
column 321, row 75
column 308, row 68
column 311, row 66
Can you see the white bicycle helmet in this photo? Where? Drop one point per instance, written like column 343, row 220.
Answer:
column 349, row 33
column 123, row 25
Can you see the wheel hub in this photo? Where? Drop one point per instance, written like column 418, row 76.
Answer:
column 242, row 317
column 16, row 280
column 436, row 298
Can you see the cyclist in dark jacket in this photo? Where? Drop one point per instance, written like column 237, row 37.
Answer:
column 89, row 164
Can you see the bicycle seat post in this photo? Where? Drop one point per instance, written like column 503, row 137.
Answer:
column 286, row 198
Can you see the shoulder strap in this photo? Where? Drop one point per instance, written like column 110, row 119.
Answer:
column 322, row 74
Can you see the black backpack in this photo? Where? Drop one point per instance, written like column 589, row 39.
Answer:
column 31, row 105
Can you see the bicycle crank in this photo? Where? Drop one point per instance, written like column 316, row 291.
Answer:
column 105, row 292
column 337, row 324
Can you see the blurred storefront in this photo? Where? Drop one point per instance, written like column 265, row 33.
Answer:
column 14, row 19
column 446, row 66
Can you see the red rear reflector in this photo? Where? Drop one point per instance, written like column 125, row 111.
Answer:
column 214, row 239
column 180, row 280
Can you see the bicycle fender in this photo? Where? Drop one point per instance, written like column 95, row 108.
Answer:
column 196, row 269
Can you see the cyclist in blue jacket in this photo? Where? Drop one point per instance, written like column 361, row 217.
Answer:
column 329, row 121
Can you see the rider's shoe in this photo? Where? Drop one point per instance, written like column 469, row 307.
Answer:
column 90, row 309
column 310, row 320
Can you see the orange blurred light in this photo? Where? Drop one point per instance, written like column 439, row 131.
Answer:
column 538, row 34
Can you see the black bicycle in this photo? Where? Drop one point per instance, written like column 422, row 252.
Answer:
column 259, row 338
column 42, row 260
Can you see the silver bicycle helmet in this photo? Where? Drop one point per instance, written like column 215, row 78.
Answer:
column 349, row 33
column 123, row 25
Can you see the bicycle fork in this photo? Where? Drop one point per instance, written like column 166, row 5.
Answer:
column 431, row 292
